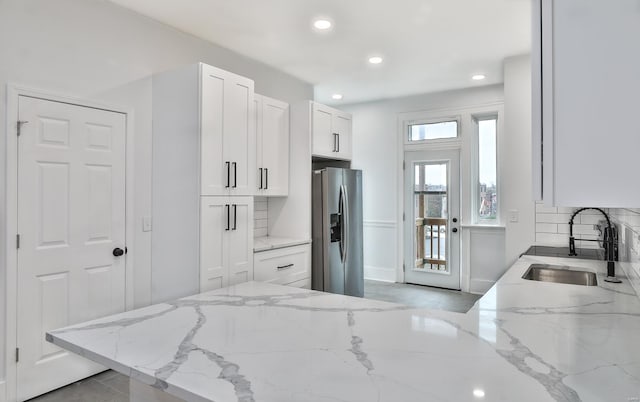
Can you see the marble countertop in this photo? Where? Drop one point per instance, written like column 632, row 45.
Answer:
column 270, row 242
column 522, row 341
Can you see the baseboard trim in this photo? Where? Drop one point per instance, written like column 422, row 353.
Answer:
column 379, row 274
column 480, row 286
column 3, row 390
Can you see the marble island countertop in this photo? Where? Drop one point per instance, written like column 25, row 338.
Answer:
column 522, row 341
column 271, row 242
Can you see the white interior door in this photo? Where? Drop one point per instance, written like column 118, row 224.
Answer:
column 71, row 217
column 432, row 218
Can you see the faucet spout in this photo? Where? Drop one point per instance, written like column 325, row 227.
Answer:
column 609, row 244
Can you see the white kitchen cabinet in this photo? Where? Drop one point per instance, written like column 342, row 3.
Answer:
column 331, row 132
column 272, row 146
column 226, row 241
column 284, row 266
column 585, row 101
column 227, row 131
column 203, row 145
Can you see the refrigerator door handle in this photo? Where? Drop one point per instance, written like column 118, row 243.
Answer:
column 344, row 222
column 347, row 218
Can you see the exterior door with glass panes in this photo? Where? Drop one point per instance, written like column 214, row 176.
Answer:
column 432, row 218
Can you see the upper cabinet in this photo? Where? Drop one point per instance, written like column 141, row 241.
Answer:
column 586, row 90
column 331, row 132
column 272, row 146
column 227, row 133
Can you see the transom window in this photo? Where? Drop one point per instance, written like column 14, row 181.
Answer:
column 433, row 131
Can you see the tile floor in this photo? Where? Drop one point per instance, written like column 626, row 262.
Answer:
column 114, row 387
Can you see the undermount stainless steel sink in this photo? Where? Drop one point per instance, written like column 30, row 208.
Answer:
column 558, row 274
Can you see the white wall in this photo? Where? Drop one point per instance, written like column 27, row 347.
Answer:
column 516, row 158
column 93, row 49
column 375, row 151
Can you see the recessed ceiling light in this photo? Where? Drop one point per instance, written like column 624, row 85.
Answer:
column 337, row 96
column 478, row 393
column 375, row 60
column 322, row 24
column 478, row 77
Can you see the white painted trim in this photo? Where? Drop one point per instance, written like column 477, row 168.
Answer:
column 3, row 390
column 465, row 144
column 380, row 224
column 483, row 226
column 381, row 274
column 14, row 91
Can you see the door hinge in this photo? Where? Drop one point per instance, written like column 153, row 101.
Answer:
column 20, row 124
column 17, row 355
column 403, row 217
column 17, row 241
column 404, row 267
column 404, row 165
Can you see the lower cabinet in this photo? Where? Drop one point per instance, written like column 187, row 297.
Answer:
column 284, row 266
column 226, row 241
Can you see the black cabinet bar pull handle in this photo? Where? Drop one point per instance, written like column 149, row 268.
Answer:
column 235, row 216
column 228, row 217
column 260, row 178
column 235, row 175
column 228, row 174
column 338, row 135
column 266, row 182
column 281, row 267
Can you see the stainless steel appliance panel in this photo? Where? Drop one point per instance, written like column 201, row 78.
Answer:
column 354, row 265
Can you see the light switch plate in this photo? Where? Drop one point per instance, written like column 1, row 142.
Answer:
column 146, row 224
column 514, row 215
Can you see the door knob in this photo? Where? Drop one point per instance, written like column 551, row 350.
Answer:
column 455, row 220
column 454, row 230
column 118, row 252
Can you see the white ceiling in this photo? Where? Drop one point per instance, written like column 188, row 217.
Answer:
column 427, row 45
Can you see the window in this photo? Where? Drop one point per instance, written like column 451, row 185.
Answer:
column 433, row 131
column 487, row 168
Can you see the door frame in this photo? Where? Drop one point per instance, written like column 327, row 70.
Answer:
column 464, row 114
column 14, row 92
column 409, row 214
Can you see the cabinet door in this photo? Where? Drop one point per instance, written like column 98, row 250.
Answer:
column 239, row 143
column 239, row 240
column 324, row 141
column 259, row 170
column 214, row 221
column 213, row 178
column 342, row 127
column 590, row 102
column 283, row 266
column 275, row 147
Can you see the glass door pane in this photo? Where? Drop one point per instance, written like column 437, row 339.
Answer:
column 430, row 199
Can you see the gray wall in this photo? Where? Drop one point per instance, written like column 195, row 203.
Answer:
column 93, row 49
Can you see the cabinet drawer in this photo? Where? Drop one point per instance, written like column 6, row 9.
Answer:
column 283, row 266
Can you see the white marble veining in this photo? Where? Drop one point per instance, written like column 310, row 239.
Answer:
column 522, row 341
column 270, row 242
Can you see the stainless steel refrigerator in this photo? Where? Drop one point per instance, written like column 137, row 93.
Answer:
column 337, row 264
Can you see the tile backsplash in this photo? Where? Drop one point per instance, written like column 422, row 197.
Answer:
column 552, row 226
column 552, row 229
column 260, row 222
column 629, row 242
